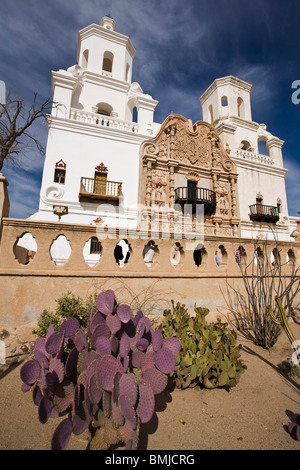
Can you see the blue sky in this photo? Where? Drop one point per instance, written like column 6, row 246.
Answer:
column 181, row 48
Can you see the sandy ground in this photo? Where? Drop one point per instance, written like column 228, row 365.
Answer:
column 254, row 415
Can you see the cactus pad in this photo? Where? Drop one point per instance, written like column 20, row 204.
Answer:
column 62, row 434
column 69, row 327
column 143, row 326
column 156, row 379
column 147, row 361
column 124, row 312
column 37, row 395
column 117, row 415
column 106, row 302
column 157, row 339
column 101, row 330
column 113, row 322
column 128, row 411
column 173, row 344
column 146, row 403
column 71, row 362
column 142, row 344
column 128, row 387
column 109, row 366
column 30, row 371
column 164, row 360
column 63, row 397
column 94, row 390
column 102, row 346
column 106, row 403
column 39, row 345
column 95, row 321
column 44, row 410
column 124, row 345
column 81, row 418
column 57, row 367
column 54, row 343
column 136, row 359
column 80, row 341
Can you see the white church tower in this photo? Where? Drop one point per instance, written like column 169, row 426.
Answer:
column 91, row 165
column 98, row 166
column 257, row 154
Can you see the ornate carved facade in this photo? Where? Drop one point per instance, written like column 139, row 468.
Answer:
column 184, row 160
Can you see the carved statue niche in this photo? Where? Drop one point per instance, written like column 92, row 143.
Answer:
column 159, row 188
column 223, row 195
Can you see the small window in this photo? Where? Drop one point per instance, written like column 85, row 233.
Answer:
column 135, row 114
column 60, row 172
column 224, row 101
column 107, row 61
column 241, row 108
column 59, row 176
column 245, row 145
column 85, row 59
column 127, row 72
column 262, row 147
column 104, row 108
column 211, row 114
column 95, row 247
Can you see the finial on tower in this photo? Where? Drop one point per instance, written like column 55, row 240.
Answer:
column 109, row 23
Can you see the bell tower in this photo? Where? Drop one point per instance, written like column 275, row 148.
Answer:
column 95, row 127
column 104, row 51
column 256, row 152
column 226, row 97
column 101, row 81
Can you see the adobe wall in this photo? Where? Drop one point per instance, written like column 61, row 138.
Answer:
column 25, row 290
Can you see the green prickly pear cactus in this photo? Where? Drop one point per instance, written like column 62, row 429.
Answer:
column 209, row 355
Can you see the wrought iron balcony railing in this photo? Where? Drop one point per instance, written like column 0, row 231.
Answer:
column 207, row 197
column 262, row 213
column 96, row 189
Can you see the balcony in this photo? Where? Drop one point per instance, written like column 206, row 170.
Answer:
column 262, row 213
column 194, row 196
column 254, row 157
column 103, row 121
column 91, row 188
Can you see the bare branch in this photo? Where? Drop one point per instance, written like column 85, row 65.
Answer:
column 15, row 123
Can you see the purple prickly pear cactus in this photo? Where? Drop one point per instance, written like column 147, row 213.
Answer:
column 106, row 376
